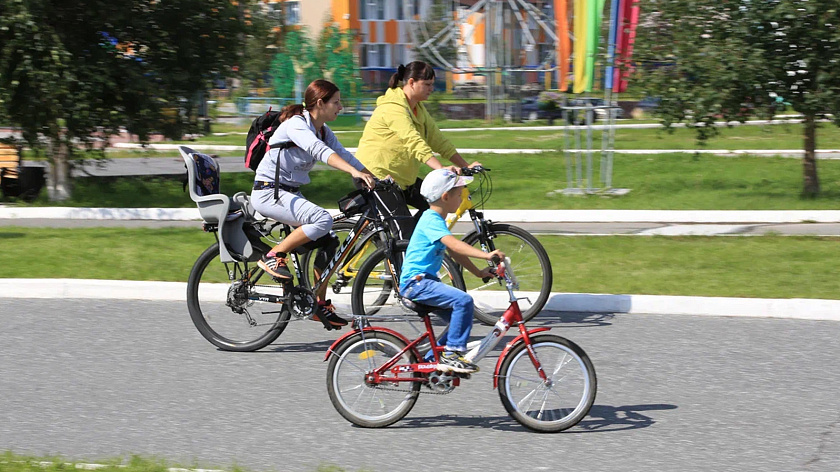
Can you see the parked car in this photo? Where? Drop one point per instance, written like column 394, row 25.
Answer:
column 530, row 107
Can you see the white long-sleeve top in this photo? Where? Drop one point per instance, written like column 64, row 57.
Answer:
column 296, row 162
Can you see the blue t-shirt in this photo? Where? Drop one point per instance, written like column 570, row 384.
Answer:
column 425, row 251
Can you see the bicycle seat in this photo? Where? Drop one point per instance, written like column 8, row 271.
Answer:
column 421, row 309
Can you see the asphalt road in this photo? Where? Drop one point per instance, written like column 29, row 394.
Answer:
column 91, row 380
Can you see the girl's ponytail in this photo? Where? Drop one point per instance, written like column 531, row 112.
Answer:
column 397, row 77
column 417, row 70
column 289, row 111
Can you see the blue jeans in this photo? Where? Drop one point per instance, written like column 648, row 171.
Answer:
column 456, row 307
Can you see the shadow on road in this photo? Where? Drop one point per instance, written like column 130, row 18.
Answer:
column 572, row 319
column 314, row 346
column 606, row 418
column 601, row 419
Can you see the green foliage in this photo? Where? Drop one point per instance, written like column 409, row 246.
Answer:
column 295, row 56
column 332, row 58
column 337, row 60
column 729, row 59
column 72, row 73
column 549, row 100
column 72, row 69
column 262, row 39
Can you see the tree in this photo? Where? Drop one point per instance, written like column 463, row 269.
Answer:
column 262, row 40
column 337, row 61
column 294, row 64
column 728, row 59
column 73, row 73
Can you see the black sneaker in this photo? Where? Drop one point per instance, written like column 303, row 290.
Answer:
column 455, row 362
column 325, row 313
column 275, row 267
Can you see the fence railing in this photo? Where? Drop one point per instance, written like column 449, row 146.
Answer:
column 253, row 106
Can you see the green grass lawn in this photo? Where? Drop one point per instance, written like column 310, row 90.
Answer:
column 10, row 462
column 787, row 136
column 762, row 266
column 661, row 182
column 768, row 137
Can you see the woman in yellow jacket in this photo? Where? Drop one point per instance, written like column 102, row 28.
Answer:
column 401, row 134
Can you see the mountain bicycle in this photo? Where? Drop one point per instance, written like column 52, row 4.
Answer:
column 546, row 383
column 231, row 301
column 374, row 291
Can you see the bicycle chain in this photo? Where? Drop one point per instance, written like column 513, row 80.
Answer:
column 429, row 392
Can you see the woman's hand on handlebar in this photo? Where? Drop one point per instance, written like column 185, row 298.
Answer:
column 366, row 178
column 474, row 168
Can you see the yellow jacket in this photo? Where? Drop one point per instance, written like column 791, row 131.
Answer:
column 396, row 141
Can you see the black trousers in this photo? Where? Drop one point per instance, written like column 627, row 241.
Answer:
column 413, row 198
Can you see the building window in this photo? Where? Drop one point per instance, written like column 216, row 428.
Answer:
column 291, row 9
column 400, row 55
column 375, row 55
column 398, row 9
column 372, row 9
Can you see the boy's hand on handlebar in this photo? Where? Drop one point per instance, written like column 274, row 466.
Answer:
column 486, row 274
column 499, row 256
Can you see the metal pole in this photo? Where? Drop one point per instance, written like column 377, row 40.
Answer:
column 566, row 152
column 589, row 113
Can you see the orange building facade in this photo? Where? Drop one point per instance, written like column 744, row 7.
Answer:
column 386, row 39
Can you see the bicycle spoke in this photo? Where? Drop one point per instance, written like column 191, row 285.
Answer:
column 365, row 404
column 552, row 405
column 350, row 389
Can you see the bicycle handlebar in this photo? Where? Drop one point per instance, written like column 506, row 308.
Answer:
column 382, row 184
column 469, row 171
column 495, row 271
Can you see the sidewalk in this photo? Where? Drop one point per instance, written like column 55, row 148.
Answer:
column 556, row 222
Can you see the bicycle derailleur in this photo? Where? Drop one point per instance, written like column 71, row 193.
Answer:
column 237, row 296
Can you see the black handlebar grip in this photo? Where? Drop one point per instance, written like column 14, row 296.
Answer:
column 496, row 260
column 486, row 279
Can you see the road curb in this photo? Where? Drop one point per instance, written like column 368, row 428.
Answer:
column 797, row 308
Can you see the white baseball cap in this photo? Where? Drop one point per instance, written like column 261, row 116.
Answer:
column 440, row 181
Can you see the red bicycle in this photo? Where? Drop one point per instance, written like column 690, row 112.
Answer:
column 375, row 374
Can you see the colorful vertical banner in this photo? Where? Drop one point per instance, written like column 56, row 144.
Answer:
column 611, row 43
column 564, row 43
column 595, row 10
column 580, row 23
column 628, row 20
